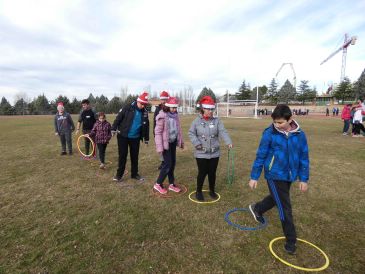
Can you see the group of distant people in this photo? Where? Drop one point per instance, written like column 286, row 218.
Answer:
column 335, row 111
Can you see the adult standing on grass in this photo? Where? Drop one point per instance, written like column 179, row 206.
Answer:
column 132, row 125
column 64, row 125
column 164, row 95
column 168, row 135
column 283, row 152
column 88, row 118
column 204, row 134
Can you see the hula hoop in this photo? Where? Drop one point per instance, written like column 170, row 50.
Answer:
column 226, row 218
column 92, row 144
column 209, row 202
column 230, row 167
column 158, row 194
column 299, row 267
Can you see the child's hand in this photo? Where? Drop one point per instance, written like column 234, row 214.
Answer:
column 230, row 146
column 252, row 183
column 303, row 186
column 87, row 135
column 56, row 133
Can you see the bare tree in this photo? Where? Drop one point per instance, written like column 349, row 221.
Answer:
column 124, row 93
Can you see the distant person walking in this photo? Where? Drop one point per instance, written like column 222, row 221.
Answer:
column 64, row 125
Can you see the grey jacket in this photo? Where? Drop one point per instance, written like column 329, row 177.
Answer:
column 207, row 135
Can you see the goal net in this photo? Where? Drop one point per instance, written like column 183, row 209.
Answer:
column 238, row 109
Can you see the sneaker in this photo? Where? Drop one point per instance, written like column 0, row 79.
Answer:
column 63, row 153
column 174, row 188
column 290, row 249
column 199, row 196
column 159, row 188
column 213, row 194
column 345, row 133
column 117, row 179
column 258, row 217
column 70, row 153
column 137, row 177
column 102, row 166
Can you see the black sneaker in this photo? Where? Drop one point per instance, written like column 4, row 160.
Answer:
column 290, row 248
column 213, row 194
column 199, row 196
column 117, row 179
column 137, row 177
column 63, row 153
column 70, row 153
column 258, row 217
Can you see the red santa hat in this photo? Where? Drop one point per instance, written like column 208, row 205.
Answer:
column 164, row 95
column 207, row 102
column 143, row 98
column 172, row 102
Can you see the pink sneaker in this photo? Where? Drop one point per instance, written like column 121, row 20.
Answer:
column 159, row 188
column 174, row 188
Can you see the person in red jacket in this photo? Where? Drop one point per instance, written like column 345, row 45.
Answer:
column 346, row 117
column 102, row 133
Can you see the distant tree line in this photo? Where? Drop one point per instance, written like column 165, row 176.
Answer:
column 345, row 91
column 41, row 105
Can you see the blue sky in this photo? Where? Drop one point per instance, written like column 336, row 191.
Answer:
column 77, row 47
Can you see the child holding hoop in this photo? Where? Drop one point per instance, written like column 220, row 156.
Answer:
column 102, row 133
column 283, row 152
column 168, row 135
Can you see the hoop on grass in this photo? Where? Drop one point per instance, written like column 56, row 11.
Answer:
column 92, row 145
column 241, row 227
column 208, row 202
column 326, row 264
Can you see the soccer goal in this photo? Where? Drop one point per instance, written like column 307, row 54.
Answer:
column 238, row 109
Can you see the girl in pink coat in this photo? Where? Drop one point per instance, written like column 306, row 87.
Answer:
column 168, row 136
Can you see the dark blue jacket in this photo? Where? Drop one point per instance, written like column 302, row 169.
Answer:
column 284, row 157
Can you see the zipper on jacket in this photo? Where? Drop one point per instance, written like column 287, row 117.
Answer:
column 272, row 162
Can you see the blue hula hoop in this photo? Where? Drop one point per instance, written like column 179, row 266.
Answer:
column 226, row 218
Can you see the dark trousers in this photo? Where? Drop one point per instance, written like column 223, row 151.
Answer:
column 346, row 125
column 123, row 144
column 280, row 197
column 102, row 149
column 66, row 138
column 87, row 143
column 358, row 127
column 168, row 164
column 206, row 167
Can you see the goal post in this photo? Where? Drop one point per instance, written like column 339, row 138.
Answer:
column 238, row 109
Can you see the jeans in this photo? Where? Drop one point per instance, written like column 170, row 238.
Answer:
column 123, row 144
column 101, row 149
column 65, row 137
column 346, row 125
column 168, row 164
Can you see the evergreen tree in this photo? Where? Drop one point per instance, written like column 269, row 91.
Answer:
column 92, row 99
column 359, row 86
column 114, row 105
column 286, row 93
column 5, row 107
column 130, row 98
column 344, row 90
column 41, row 105
column 244, row 91
column 75, row 106
column 272, row 92
column 101, row 104
column 64, row 100
column 206, row 92
column 20, row 107
column 262, row 93
column 303, row 90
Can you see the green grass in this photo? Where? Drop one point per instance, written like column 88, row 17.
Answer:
column 57, row 216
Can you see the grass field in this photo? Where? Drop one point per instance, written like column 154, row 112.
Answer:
column 58, row 214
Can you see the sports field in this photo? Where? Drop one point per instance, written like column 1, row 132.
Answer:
column 60, row 214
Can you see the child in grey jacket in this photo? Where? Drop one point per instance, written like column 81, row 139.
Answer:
column 204, row 134
column 63, row 127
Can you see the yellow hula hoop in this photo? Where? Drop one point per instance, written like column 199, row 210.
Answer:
column 299, row 267
column 92, row 144
column 210, row 202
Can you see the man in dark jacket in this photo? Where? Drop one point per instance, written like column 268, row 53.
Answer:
column 132, row 125
column 164, row 95
column 88, row 118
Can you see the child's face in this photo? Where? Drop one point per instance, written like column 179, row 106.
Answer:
column 282, row 124
column 101, row 118
column 172, row 110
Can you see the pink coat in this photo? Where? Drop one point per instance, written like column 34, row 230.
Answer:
column 162, row 132
column 346, row 113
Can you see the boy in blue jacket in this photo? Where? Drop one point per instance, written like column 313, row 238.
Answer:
column 283, row 152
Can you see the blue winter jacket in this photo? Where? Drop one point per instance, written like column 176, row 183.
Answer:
column 283, row 156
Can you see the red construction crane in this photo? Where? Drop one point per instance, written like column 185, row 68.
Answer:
column 347, row 42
